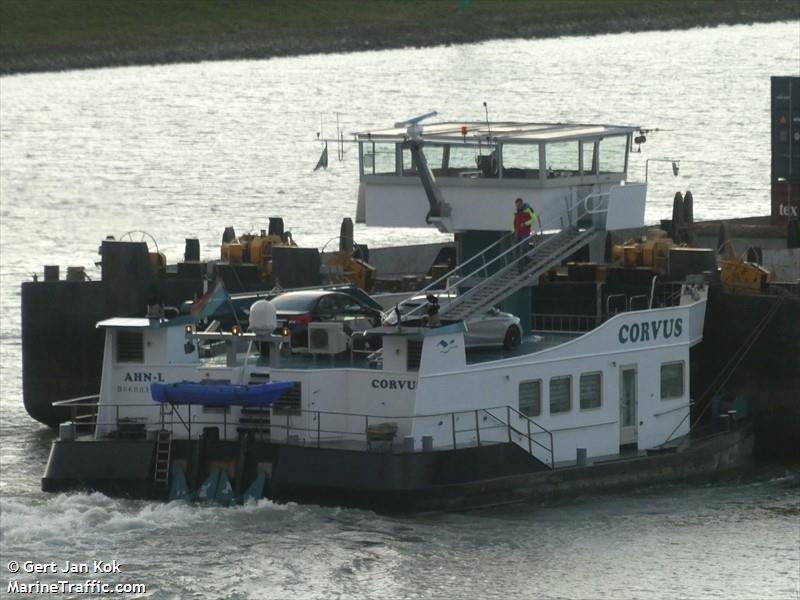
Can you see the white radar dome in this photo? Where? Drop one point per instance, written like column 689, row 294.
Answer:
column 263, row 317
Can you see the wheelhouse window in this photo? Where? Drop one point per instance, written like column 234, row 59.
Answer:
column 591, row 390
column 672, row 380
column 613, row 151
column 589, row 166
column 530, row 398
column 521, row 161
column 379, row 158
column 560, row 394
column 463, row 158
column 433, row 154
column 562, row 160
column 130, row 346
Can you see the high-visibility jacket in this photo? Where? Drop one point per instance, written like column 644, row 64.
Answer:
column 524, row 219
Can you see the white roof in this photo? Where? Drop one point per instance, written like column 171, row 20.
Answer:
column 450, row 132
column 130, row 322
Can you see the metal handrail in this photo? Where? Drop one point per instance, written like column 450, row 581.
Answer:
column 453, row 271
column 525, row 418
column 454, row 416
column 73, row 401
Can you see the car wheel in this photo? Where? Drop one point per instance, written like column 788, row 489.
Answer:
column 512, row 339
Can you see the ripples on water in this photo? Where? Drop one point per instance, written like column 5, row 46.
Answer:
column 182, row 151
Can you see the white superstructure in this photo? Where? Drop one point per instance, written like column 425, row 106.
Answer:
column 480, row 168
column 624, row 383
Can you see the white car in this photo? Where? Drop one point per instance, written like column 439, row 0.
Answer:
column 490, row 328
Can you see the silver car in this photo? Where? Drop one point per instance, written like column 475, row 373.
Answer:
column 488, row 329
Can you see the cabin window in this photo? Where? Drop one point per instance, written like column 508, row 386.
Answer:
column 591, row 390
column 560, row 394
column 589, row 158
column 672, row 380
column 562, row 160
column 433, row 154
column 521, row 161
column 130, row 346
column 530, row 398
column 379, row 159
column 612, row 154
column 463, row 158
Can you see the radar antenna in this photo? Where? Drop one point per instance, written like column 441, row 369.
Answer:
column 413, row 126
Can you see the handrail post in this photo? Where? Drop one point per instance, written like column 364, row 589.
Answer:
column 366, row 431
column 318, row 427
column 225, row 423
column 477, row 427
column 552, row 454
column 117, row 411
column 453, row 425
column 190, row 421
column 508, row 421
column 530, row 442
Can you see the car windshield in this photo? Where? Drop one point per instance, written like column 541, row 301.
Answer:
column 296, row 302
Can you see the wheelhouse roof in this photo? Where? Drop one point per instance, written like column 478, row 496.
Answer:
column 503, row 132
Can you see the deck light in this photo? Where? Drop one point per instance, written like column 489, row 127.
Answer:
column 464, row 130
column 235, row 330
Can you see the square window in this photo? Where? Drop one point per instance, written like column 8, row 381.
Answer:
column 530, row 398
column 591, row 390
column 560, row 394
column 672, row 380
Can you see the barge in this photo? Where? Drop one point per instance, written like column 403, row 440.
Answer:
column 426, row 427
column 422, row 424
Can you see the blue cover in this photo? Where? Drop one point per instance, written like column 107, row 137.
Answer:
column 219, row 394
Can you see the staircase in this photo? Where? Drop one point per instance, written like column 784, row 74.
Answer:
column 520, row 265
column 163, row 452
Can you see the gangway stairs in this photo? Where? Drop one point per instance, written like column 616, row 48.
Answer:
column 520, row 265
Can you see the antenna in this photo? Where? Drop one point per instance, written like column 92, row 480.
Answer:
column 413, row 126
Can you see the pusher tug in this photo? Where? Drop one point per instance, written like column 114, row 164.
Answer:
column 425, row 424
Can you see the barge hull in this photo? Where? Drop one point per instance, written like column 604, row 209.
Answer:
column 384, row 481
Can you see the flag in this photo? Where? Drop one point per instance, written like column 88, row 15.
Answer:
column 323, row 158
column 207, row 304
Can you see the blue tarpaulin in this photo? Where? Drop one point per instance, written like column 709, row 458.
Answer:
column 219, row 394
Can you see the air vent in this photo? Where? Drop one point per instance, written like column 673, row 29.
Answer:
column 130, row 346
column 290, row 402
column 413, row 354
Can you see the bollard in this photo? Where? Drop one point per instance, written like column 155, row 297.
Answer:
column 580, row 457
column 408, row 443
column 427, row 443
column 66, row 431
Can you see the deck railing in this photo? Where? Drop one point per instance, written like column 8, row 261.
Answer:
column 317, row 428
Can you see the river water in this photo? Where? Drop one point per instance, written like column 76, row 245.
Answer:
column 182, row 151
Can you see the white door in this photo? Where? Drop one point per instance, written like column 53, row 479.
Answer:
column 628, row 405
